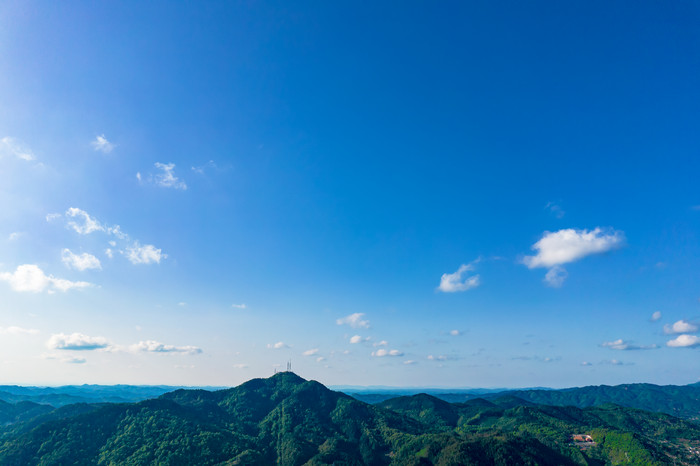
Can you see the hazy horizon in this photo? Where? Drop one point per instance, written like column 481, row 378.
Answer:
column 492, row 194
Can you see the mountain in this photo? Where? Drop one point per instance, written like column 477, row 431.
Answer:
column 69, row 394
column 681, row 401
column 678, row 400
column 287, row 420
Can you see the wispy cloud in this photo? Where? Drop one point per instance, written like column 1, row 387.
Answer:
column 30, row 278
column 556, row 276
column 101, row 144
column 152, row 346
column 84, row 224
column 239, row 306
column 453, row 282
column 681, row 326
column 146, row 254
column 569, row 245
column 76, row 342
column 380, row 353
column 278, row 345
column 80, row 262
column 410, row 362
column 354, row 320
column 615, row 362
column 202, row 168
column 14, row 235
column 622, row 345
column 455, row 333
column 310, row 352
column 12, row 330
column 12, row 147
column 167, row 178
column 555, row 209
column 64, row 359
column 656, row 316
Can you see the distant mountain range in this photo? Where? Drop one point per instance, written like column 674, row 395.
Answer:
column 287, row 420
column 679, row 400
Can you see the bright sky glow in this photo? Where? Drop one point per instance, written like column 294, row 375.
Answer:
column 491, row 194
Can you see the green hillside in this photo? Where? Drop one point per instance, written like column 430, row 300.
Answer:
column 287, row 420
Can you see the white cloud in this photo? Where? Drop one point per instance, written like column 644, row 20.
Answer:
column 87, row 224
column 136, row 253
column 240, row 366
column 11, row 146
column 102, row 144
column 310, row 352
column 569, row 245
column 684, row 341
column 80, row 262
column 146, row 254
column 561, row 247
column 586, row 363
column 455, row 333
column 441, row 357
column 320, row 359
column 682, row 326
column 381, row 343
column 453, row 282
column 380, row 353
column 354, row 320
column 410, row 362
column 278, row 345
column 622, row 345
column 76, row 341
column 358, row 339
column 239, row 306
column 656, row 316
column 151, row 346
column 53, row 216
column 14, row 235
column 556, row 276
column 167, row 178
column 30, row 278
column 12, row 330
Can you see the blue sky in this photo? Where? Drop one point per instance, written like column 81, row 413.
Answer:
column 493, row 194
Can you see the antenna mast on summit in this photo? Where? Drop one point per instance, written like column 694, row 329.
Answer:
column 289, row 366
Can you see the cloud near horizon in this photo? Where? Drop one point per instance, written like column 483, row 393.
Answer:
column 152, row 346
column 622, row 345
column 76, row 342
